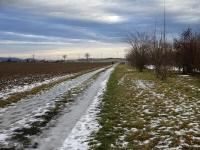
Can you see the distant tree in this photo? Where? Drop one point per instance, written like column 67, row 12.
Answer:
column 87, row 56
column 27, row 60
column 9, row 59
column 64, row 57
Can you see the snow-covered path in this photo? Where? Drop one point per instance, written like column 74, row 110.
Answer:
column 24, row 112
column 66, row 127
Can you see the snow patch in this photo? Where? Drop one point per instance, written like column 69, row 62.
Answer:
column 151, row 67
column 142, row 84
column 3, row 137
column 184, row 75
column 16, row 89
column 121, row 81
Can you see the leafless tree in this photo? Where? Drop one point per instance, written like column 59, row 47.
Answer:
column 188, row 51
column 140, row 44
column 64, row 57
column 87, row 56
column 197, row 56
column 160, row 53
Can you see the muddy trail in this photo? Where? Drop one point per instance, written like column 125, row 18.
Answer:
column 44, row 121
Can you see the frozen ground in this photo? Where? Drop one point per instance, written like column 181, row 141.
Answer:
column 167, row 116
column 6, row 92
column 141, row 112
column 25, row 113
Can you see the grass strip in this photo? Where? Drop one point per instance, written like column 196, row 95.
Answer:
column 140, row 112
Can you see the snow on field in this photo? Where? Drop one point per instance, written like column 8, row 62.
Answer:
column 165, row 115
column 16, row 89
column 121, row 81
column 25, row 112
column 184, row 75
column 151, row 67
column 175, row 119
column 86, row 125
column 143, row 84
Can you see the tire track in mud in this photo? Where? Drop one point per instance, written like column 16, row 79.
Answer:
column 21, row 120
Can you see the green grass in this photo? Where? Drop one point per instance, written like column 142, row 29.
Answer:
column 133, row 117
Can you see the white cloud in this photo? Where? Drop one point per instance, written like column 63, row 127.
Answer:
column 130, row 13
column 111, row 11
column 183, row 11
column 52, row 40
column 91, row 10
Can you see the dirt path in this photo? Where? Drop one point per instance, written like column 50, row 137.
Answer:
column 54, row 137
column 24, row 113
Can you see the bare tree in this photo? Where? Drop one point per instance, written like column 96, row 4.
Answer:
column 161, row 51
column 87, row 56
column 140, row 43
column 162, row 59
column 147, row 50
column 197, row 56
column 188, row 51
column 156, row 59
column 64, row 57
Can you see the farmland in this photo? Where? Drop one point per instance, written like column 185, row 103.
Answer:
column 19, row 80
column 41, row 118
column 20, row 73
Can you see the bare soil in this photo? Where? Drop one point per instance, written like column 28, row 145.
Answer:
column 15, row 74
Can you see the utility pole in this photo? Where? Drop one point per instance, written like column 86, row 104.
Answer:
column 155, row 34
column 33, row 56
column 164, row 30
column 164, row 72
column 79, row 56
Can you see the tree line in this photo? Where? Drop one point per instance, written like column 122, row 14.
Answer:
column 183, row 54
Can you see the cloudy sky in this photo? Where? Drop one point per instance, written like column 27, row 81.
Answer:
column 51, row 28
